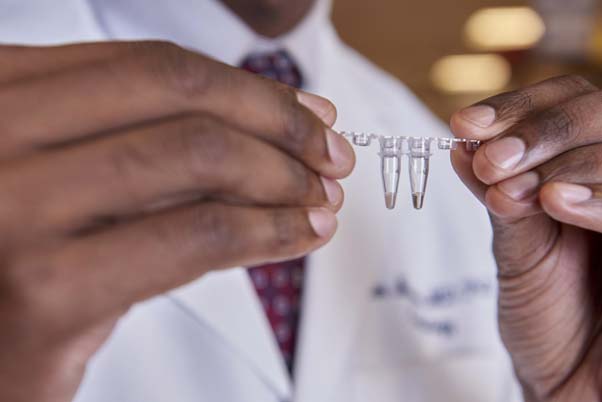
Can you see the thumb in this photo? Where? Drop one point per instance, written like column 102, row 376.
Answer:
column 523, row 234
column 491, row 117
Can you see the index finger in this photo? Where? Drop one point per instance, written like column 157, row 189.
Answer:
column 491, row 117
column 159, row 80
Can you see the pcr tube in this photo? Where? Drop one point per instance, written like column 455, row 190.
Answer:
column 418, row 150
column 390, row 156
column 419, row 154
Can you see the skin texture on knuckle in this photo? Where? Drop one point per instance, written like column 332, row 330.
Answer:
column 221, row 162
column 196, row 239
column 225, row 236
column 581, row 165
column 515, row 259
column 242, row 233
column 585, row 111
column 511, row 106
column 182, row 72
column 298, row 125
column 217, row 228
column 556, row 126
column 301, row 183
column 193, row 146
column 127, row 163
column 203, row 145
column 129, row 158
column 290, row 234
column 573, row 123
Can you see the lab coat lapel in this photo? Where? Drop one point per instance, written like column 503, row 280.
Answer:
column 227, row 303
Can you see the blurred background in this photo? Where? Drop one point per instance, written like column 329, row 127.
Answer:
column 453, row 53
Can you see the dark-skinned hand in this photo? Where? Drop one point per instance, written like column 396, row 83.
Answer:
column 128, row 169
column 539, row 173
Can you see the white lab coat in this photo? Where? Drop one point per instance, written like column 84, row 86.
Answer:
column 400, row 306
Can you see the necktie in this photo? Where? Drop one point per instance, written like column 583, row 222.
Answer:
column 277, row 65
column 279, row 285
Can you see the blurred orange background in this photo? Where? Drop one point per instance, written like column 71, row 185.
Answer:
column 408, row 37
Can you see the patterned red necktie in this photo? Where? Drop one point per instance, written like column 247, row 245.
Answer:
column 279, row 285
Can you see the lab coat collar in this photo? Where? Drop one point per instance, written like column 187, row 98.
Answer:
column 227, row 303
column 213, row 29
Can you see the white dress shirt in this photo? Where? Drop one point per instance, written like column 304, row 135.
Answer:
column 400, row 306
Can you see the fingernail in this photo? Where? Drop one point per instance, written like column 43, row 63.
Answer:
column 506, row 153
column 333, row 191
column 521, row 186
column 573, row 193
column 321, row 107
column 322, row 221
column 480, row 115
column 339, row 150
